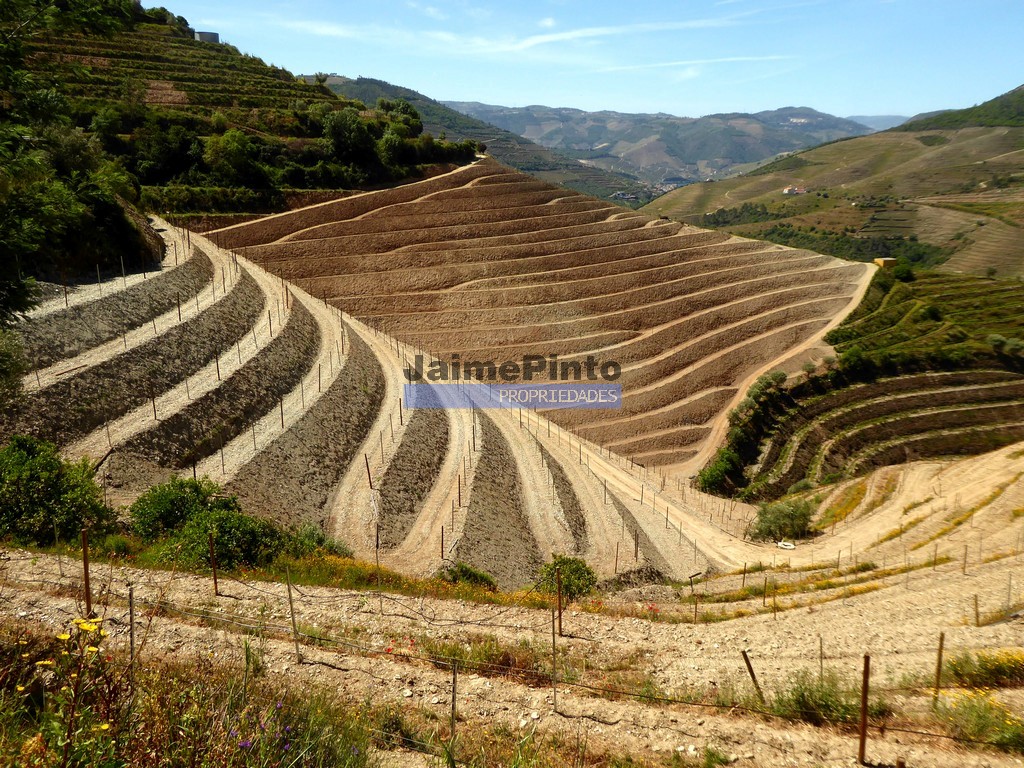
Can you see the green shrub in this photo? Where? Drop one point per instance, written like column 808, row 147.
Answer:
column 782, row 520
column 42, row 495
column 164, row 508
column 821, row 700
column 904, row 272
column 578, row 579
column 467, row 574
column 116, row 546
column 988, row 669
column 240, row 540
column 975, row 716
column 308, row 540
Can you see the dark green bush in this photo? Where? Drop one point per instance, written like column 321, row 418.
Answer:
column 240, row 540
column 578, row 579
column 817, row 701
column 164, row 508
column 782, row 520
column 308, row 540
column 467, row 574
column 42, row 495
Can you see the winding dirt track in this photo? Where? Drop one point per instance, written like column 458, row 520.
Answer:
column 352, row 512
column 323, row 371
column 207, row 379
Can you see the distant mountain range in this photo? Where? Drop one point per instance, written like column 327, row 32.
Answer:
column 951, row 181
column 879, row 122
column 664, row 149
column 507, row 147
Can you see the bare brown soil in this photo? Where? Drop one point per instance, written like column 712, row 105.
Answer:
column 569, row 503
column 490, row 264
column 411, row 474
column 75, row 406
column 60, row 335
column 390, row 244
column 497, row 537
column 209, row 422
column 314, row 453
column 473, row 268
column 678, row 658
column 273, row 227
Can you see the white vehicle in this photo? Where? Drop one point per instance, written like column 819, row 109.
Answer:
column 786, row 545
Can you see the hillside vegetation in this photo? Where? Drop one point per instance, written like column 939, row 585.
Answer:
column 1007, row 109
column 226, row 131
column 926, row 367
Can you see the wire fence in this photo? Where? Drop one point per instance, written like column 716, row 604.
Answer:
column 537, row 674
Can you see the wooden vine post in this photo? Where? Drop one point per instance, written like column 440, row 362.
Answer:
column 558, row 585
column 864, row 711
column 938, row 670
column 85, row 573
column 753, row 677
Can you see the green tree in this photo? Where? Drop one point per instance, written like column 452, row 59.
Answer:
column 578, row 579
column 41, row 494
column 782, row 520
column 347, row 138
column 232, row 160
column 392, row 149
column 164, row 508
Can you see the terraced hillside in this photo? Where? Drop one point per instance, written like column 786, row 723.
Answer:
column 175, row 71
column 206, row 129
column 212, row 366
column 855, row 429
column 297, row 407
column 895, row 184
column 491, row 264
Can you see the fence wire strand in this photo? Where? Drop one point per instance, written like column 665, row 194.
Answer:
column 539, row 677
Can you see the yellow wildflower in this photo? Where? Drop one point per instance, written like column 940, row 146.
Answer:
column 21, row 688
column 92, row 649
column 88, row 626
column 64, row 636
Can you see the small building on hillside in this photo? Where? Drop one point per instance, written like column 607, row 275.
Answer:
column 885, row 262
column 791, row 190
column 207, row 37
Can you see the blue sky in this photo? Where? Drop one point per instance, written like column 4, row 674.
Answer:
column 689, row 57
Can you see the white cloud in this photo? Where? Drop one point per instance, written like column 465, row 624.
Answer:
column 427, row 10
column 621, row 30
column 548, row 47
column 548, row 23
column 696, row 62
column 688, row 73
